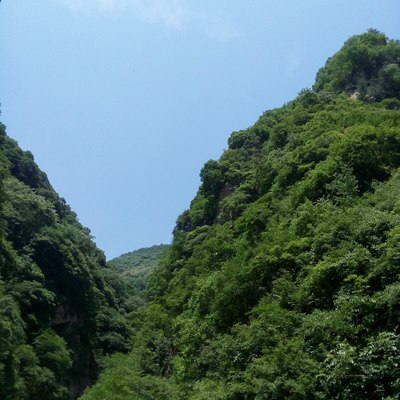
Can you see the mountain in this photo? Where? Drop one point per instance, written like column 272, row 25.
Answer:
column 282, row 280
column 133, row 270
column 61, row 309
column 136, row 266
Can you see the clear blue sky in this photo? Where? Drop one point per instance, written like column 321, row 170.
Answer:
column 122, row 101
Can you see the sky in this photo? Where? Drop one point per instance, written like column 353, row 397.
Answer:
column 123, row 101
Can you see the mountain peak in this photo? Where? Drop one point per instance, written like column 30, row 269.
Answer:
column 367, row 64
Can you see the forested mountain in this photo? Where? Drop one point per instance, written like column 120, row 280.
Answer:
column 282, row 281
column 134, row 270
column 61, row 309
column 136, row 266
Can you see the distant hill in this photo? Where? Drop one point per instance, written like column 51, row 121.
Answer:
column 137, row 265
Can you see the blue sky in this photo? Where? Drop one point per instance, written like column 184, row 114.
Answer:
column 123, row 101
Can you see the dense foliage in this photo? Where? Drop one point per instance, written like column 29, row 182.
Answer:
column 132, row 272
column 136, row 266
column 367, row 66
column 282, row 281
column 61, row 310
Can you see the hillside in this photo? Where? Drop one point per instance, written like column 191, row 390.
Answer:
column 134, row 269
column 61, row 309
column 282, row 281
column 136, row 266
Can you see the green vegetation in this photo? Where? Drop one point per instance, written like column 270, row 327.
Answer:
column 131, row 273
column 61, row 310
column 282, row 281
column 368, row 65
column 136, row 266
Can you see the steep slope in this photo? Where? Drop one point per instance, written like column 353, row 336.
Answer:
column 60, row 310
column 282, row 281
